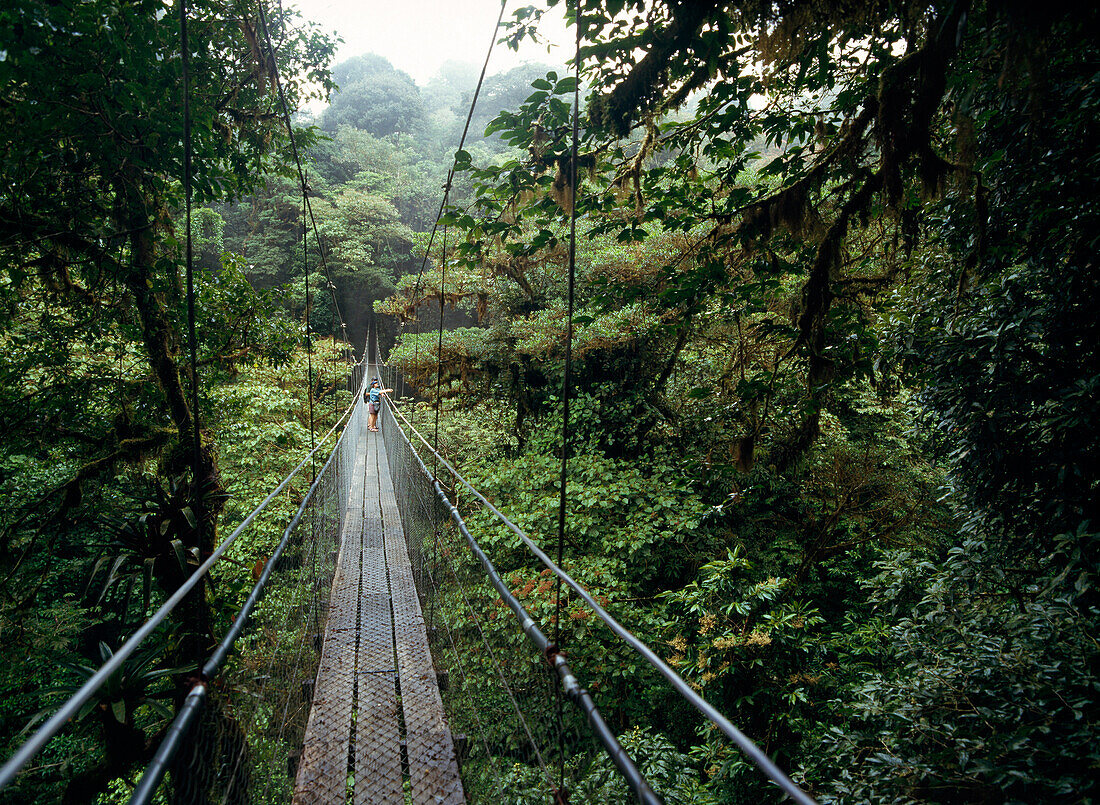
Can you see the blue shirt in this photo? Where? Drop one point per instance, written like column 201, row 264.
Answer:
column 375, row 394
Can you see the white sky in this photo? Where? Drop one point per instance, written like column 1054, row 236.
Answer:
column 417, row 36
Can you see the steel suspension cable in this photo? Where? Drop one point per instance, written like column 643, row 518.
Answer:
column 497, row 666
column 457, row 656
column 335, row 371
column 567, row 379
column 439, row 343
column 450, row 178
column 192, row 340
column 309, row 337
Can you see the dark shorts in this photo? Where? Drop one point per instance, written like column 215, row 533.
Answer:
column 372, row 408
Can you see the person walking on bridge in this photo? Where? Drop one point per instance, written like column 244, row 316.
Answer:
column 373, row 398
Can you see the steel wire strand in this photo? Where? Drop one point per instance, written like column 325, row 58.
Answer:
column 242, row 617
column 461, row 142
column 439, row 343
column 161, row 760
column 306, row 578
column 571, row 685
column 241, row 764
column 567, row 379
column 758, row 757
column 450, row 178
column 309, row 339
column 298, row 162
column 192, row 339
column 303, row 580
column 283, row 634
column 426, row 505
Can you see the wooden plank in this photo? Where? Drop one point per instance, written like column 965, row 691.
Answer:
column 433, row 769
column 378, row 776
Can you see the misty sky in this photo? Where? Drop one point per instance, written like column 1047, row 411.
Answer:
column 417, row 36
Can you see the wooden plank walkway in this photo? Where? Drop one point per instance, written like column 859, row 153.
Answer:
column 376, row 685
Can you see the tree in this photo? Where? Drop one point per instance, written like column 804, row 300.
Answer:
column 92, row 108
column 871, row 204
column 90, row 239
column 374, row 97
column 443, row 93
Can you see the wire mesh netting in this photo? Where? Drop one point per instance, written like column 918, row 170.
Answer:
column 246, row 742
column 609, row 748
column 97, row 726
column 519, row 723
column 518, row 740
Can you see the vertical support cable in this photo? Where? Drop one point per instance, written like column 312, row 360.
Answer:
column 192, row 340
column 307, row 209
column 197, row 475
column 439, row 342
column 450, row 176
column 416, row 342
column 335, row 371
column 568, row 377
column 567, row 380
column 309, row 338
column 398, row 336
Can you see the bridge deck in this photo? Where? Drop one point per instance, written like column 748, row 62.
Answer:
column 376, row 685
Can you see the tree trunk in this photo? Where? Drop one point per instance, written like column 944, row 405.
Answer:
column 142, row 209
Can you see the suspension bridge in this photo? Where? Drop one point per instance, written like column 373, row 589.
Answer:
column 375, row 654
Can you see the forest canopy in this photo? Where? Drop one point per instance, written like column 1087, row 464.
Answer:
column 833, row 445
column 836, row 275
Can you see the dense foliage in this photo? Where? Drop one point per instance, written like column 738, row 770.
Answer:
column 104, row 515
column 833, row 439
column 833, row 433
